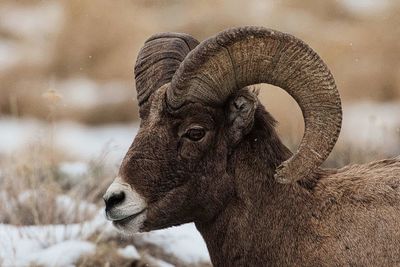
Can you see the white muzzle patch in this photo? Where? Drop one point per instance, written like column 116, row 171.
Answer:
column 125, row 207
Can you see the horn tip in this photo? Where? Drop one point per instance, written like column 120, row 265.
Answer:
column 287, row 174
column 282, row 175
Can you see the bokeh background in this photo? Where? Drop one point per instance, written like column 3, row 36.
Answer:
column 68, row 109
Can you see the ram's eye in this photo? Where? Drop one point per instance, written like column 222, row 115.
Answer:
column 195, row 133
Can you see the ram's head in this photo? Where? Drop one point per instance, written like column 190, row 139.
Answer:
column 195, row 111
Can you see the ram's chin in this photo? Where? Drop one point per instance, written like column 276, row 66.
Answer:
column 130, row 226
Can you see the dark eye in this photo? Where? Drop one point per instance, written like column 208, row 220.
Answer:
column 195, row 133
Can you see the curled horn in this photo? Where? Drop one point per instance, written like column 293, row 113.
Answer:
column 239, row 57
column 157, row 62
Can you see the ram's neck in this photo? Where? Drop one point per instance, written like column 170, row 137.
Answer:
column 258, row 155
column 260, row 207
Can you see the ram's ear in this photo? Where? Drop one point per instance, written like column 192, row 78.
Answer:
column 241, row 109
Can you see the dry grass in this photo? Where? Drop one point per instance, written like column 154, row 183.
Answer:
column 32, row 184
column 107, row 255
column 22, row 91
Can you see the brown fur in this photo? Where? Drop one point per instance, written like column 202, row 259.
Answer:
column 345, row 217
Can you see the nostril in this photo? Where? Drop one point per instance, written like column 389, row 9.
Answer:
column 114, row 199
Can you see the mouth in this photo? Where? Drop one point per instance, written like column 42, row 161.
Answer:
column 127, row 219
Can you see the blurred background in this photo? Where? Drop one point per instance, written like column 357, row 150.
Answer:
column 68, row 110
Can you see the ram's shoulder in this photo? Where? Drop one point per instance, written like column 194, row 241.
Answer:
column 381, row 170
column 377, row 181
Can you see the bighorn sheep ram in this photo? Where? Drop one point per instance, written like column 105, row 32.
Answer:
column 207, row 153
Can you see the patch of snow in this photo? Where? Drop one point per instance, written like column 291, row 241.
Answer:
column 26, row 196
column 22, row 244
column 129, row 252
column 62, row 254
column 184, row 242
column 17, row 133
column 83, row 142
column 74, row 169
column 372, row 125
column 91, row 142
column 80, row 209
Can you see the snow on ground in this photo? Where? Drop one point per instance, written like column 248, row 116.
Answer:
column 21, row 245
column 51, row 245
column 371, row 125
column 73, row 168
column 91, row 142
column 82, row 142
column 62, row 245
column 184, row 242
column 65, row 253
column 129, row 252
column 71, row 207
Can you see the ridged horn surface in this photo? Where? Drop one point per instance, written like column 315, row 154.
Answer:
column 158, row 60
column 244, row 56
